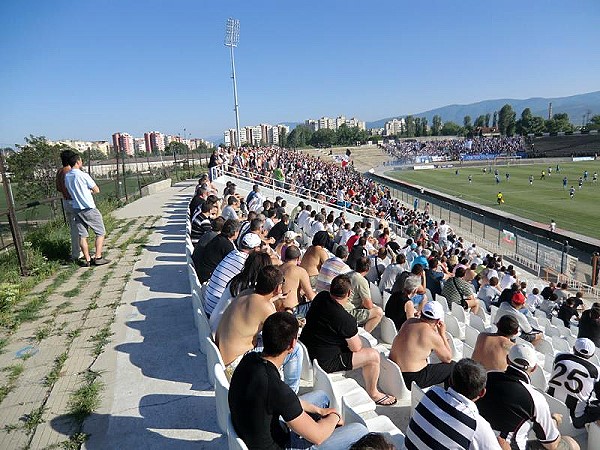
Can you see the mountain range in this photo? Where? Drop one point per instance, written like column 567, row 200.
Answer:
column 575, row 106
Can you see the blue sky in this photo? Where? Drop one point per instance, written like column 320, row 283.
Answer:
column 84, row 69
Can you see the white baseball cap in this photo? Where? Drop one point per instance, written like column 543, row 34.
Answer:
column 251, row 240
column 522, row 356
column 433, row 310
column 584, row 346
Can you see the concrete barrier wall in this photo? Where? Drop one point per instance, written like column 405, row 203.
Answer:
column 156, row 187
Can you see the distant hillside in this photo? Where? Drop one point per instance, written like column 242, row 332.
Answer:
column 575, row 106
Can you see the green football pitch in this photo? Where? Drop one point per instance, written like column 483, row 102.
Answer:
column 543, row 201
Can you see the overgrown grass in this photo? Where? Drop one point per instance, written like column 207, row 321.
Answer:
column 73, row 292
column 42, row 333
column 100, row 340
column 14, row 372
column 54, row 374
column 87, row 398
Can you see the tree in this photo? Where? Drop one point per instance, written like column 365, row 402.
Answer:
column 34, row 168
column 487, row 120
column 450, row 129
column 594, row 123
column 480, row 121
column 94, row 154
column 418, row 126
column 559, row 122
column 495, row 122
column 424, row 130
column 467, row 122
column 283, row 138
column 436, row 126
column 300, row 136
column 506, row 120
column 176, row 148
column 410, row 126
column 324, row 137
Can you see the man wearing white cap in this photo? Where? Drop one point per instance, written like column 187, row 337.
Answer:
column 576, row 382
column 230, row 266
column 513, row 407
column 415, row 341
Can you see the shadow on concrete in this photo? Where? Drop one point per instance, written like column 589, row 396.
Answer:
column 173, row 277
column 172, row 258
column 170, row 422
column 170, row 349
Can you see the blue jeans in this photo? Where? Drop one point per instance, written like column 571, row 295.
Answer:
column 341, row 438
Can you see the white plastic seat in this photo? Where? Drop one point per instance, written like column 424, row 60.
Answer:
column 566, row 428
column 387, row 330
column 459, row 313
column 556, row 321
column 453, row 326
column 416, row 394
column 593, row 436
column 482, row 313
column 543, row 321
column 467, row 350
column 213, row 357
column 471, row 335
column 376, row 296
column 551, row 331
column 456, row 345
column 538, row 313
column 574, row 329
column 374, row 422
column 545, row 346
column 570, row 339
column 233, row 440
column 560, row 344
column 533, row 321
column 391, row 380
column 477, row 322
column 368, row 339
column 336, row 389
column 549, row 364
column 428, row 295
column 307, row 368
column 493, row 311
column 385, row 297
column 221, row 397
column 443, row 301
column 538, row 379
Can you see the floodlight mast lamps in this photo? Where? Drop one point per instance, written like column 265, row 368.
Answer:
column 232, row 37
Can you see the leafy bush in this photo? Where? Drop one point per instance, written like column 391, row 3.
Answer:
column 9, row 292
column 52, row 239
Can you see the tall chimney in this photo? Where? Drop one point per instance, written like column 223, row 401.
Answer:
column 550, row 111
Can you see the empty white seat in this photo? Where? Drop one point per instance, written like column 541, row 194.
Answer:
column 336, row 389
column 534, row 322
column 387, row 330
column 556, row 321
column 374, row 422
column 477, row 322
column 574, row 329
column 443, row 301
column 376, row 296
column 456, row 345
column 538, row 379
column 549, row 364
column 482, row 313
column 428, row 295
column 551, row 331
column 204, row 330
column 367, row 337
column 459, row 313
column 233, row 440
column 545, row 346
column 493, row 311
column 560, row 344
column 453, row 326
column 384, row 299
column 221, row 397
column 391, row 380
column 593, row 436
column 467, row 350
column 570, row 339
column 213, row 357
column 538, row 313
column 471, row 335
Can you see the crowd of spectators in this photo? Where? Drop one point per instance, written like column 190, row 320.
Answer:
column 410, row 151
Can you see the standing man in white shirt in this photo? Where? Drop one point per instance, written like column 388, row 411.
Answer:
column 81, row 187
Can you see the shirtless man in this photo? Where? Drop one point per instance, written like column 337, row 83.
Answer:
column 414, row 343
column 315, row 256
column 296, row 283
column 491, row 349
column 239, row 330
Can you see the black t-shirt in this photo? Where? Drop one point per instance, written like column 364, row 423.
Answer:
column 212, row 255
column 433, row 284
column 588, row 327
column 328, row 325
column 196, row 203
column 394, row 308
column 565, row 313
column 257, row 397
column 277, row 231
column 546, row 292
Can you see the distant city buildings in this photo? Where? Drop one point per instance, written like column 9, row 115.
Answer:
column 83, row 146
column 394, row 127
column 334, row 124
column 263, row 134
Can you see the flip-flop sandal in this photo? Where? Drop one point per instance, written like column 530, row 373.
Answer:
column 382, row 401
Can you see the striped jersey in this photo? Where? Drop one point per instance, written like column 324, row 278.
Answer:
column 230, row 266
column 448, row 420
column 574, row 380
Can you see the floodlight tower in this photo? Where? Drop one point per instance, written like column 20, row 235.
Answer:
column 232, row 37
